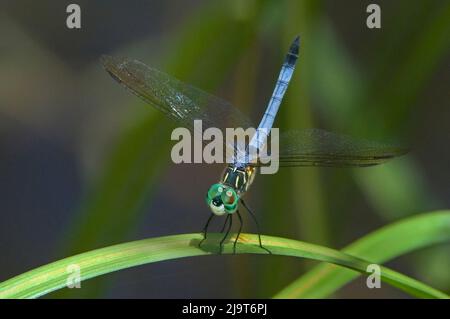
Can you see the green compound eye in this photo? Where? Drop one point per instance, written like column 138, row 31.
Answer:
column 214, row 191
column 230, row 200
column 222, row 199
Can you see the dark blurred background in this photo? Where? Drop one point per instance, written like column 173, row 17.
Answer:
column 84, row 164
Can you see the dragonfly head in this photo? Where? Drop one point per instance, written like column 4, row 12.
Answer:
column 222, row 199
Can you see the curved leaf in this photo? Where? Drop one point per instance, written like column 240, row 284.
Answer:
column 380, row 246
column 94, row 263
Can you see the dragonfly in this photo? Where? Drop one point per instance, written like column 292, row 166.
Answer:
column 184, row 103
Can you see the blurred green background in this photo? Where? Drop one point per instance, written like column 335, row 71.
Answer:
column 84, row 164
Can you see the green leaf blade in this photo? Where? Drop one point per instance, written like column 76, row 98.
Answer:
column 94, row 263
column 380, row 246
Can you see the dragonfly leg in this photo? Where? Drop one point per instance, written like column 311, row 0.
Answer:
column 205, row 229
column 257, row 226
column 225, row 223
column 229, row 218
column 239, row 232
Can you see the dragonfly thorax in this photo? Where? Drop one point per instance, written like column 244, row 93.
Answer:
column 239, row 178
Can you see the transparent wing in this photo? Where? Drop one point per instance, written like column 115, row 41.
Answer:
column 179, row 101
column 316, row 147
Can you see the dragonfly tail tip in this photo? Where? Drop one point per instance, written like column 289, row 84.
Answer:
column 295, row 46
